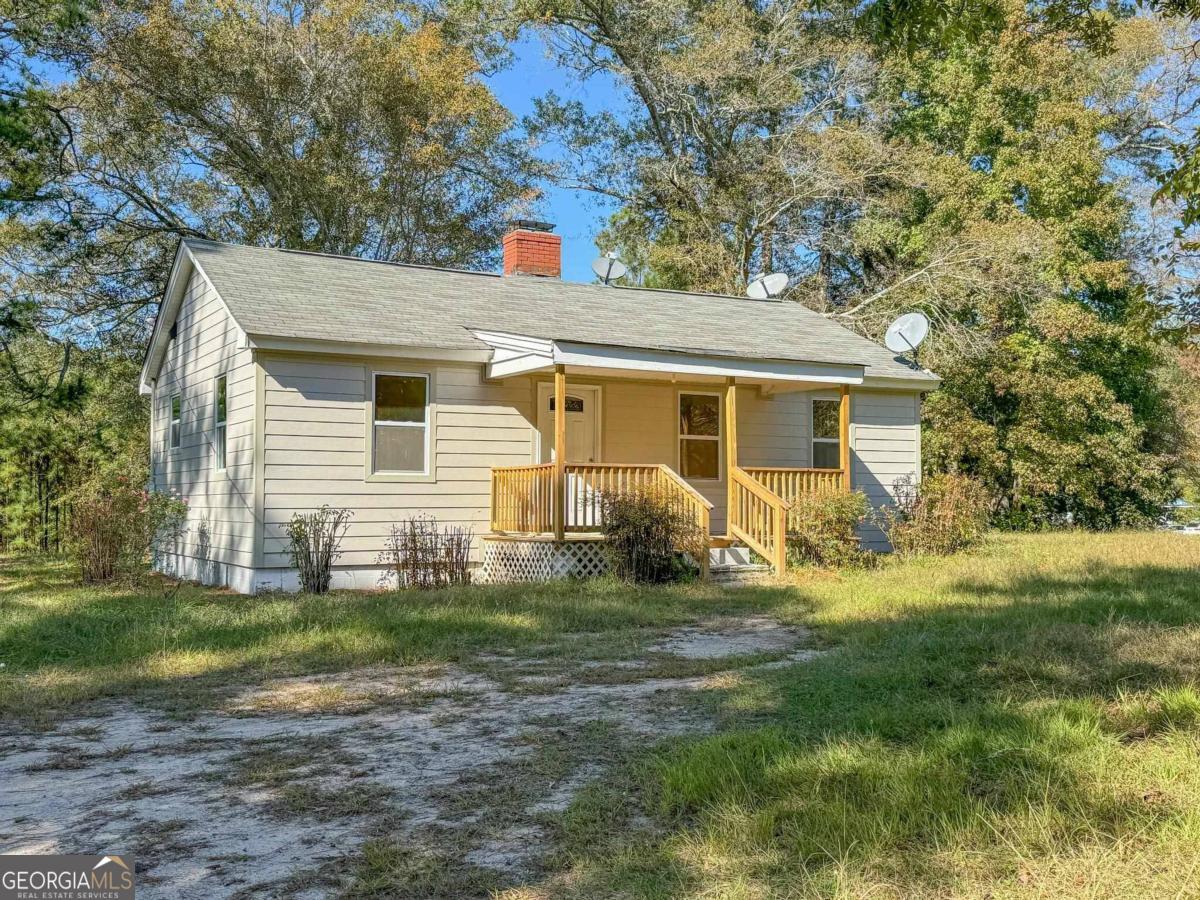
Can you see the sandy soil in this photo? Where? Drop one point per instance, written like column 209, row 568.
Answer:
column 275, row 793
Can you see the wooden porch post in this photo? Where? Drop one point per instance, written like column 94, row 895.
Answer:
column 730, row 447
column 844, row 436
column 560, row 452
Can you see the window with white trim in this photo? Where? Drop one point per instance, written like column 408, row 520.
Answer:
column 176, row 417
column 826, row 434
column 401, row 421
column 700, row 435
column 220, row 416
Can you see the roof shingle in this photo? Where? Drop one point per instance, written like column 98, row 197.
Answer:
column 290, row 294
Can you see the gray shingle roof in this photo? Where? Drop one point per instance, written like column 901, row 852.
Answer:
column 289, row 294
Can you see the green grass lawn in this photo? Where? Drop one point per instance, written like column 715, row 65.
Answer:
column 62, row 645
column 1022, row 721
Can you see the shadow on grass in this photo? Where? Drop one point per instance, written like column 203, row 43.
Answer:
column 946, row 747
column 996, row 726
column 65, row 644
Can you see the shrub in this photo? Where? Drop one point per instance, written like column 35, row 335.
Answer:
column 419, row 554
column 315, row 542
column 822, row 528
column 649, row 537
column 117, row 526
column 940, row 515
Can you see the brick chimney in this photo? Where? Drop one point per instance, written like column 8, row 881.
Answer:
column 530, row 249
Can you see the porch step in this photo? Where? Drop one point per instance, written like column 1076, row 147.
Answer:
column 736, row 576
column 733, row 565
column 729, row 556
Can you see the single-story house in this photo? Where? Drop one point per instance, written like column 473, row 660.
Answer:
column 282, row 381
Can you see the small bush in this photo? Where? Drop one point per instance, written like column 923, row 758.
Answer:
column 419, row 554
column 315, row 544
column 117, row 526
column 822, row 528
column 649, row 537
column 942, row 514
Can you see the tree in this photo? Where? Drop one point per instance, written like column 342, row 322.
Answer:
column 32, row 131
column 1055, row 372
column 51, row 442
column 342, row 126
column 916, row 25
column 339, row 126
column 986, row 181
column 749, row 134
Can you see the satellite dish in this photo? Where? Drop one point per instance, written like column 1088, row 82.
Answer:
column 906, row 333
column 767, row 287
column 608, row 268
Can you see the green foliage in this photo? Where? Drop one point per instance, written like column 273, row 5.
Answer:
column 33, row 129
column 974, row 177
column 822, row 528
column 343, row 127
column 314, row 542
column 940, row 515
column 647, row 535
column 1054, row 392
column 93, row 428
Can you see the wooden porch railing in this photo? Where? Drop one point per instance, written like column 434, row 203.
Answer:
column 523, row 499
column 791, row 484
column 588, row 482
column 757, row 516
column 523, row 496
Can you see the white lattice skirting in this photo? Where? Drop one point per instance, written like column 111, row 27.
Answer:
column 507, row 561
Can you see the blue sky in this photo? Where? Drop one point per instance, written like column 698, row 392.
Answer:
column 578, row 215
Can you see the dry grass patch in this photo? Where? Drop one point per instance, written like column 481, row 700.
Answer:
column 63, row 645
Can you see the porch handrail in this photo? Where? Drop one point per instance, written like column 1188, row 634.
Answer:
column 523, row 498
column 677, row 480
column 619, row 478
column 793, row 483
column 758, row 517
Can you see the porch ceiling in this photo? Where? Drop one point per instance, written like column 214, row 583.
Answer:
column 521, row 355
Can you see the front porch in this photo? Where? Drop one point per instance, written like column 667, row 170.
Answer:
column 559, row 499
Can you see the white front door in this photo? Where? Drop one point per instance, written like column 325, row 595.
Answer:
column 583, row 419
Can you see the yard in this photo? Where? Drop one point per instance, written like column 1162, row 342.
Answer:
column 1022, row 721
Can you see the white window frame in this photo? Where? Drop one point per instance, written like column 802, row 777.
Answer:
column 174, row 424
column 812, row 431
column 426, row 423
column 220, row 426
column 719, row 438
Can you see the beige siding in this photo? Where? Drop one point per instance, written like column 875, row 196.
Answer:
column 640, row 424
column 774, row 430
column 220, row 524
column 316, row 425
column 886, row 442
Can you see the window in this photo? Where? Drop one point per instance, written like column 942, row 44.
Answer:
column 401, row 423
column 826, row 430
column 220, row 416
column 700, row 435
column 176, row 412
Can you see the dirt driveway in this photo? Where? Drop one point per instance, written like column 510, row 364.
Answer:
column 397, row 782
